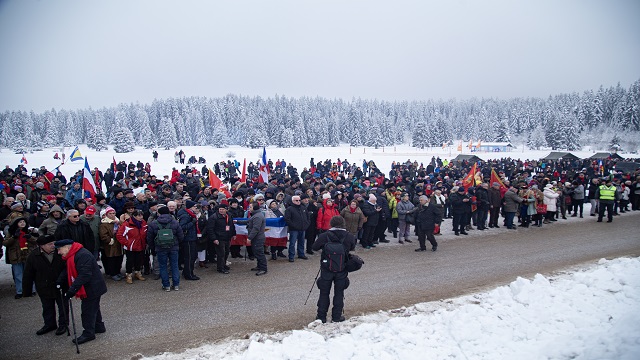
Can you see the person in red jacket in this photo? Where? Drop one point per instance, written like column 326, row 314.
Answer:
column 133, row 237
column 325, row 214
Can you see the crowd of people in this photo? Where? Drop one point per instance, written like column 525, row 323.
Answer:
column 175, row 222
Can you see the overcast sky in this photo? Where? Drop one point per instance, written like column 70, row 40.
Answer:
column 76, row 54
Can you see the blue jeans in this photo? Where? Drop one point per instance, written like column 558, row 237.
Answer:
column 296, row 235
column 509, row 219
column 17, row 270
column 172, row 255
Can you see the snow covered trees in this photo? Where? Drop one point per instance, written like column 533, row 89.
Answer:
column 565, row 120
column 96, row 138
column 123, row 140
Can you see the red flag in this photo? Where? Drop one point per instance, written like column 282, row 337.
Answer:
column 114, row 164
column 496, row 179
column 469, row 180
column 97, row 181
column 216, row 183
column 244, row 171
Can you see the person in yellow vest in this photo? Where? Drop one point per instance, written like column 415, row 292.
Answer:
column 606, row 195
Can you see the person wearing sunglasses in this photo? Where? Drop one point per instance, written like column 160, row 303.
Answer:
column 75, row 229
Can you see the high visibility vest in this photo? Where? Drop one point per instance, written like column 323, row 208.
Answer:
column 607, row 193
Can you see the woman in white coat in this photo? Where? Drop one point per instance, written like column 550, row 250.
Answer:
column 550, row 199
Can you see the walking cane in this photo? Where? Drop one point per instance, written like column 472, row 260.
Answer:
column 312, row 285
column 73, row 321
column 64, row 311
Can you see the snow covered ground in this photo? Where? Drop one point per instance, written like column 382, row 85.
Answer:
column 590, row 313
column 298, row 157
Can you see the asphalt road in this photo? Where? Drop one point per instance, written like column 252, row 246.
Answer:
column 143, row 319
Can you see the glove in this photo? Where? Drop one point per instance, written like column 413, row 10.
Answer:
column 112, row 242
column 27, row 236
column 69, row 294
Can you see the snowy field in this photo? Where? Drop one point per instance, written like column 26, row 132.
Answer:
column 298, row 157
column 591, row 313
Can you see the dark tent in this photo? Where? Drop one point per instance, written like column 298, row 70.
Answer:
column 627, row 166
column 606, row 155
column 469, row 158
column 555, row 155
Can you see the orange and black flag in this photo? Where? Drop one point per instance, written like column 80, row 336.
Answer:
column 496, row 179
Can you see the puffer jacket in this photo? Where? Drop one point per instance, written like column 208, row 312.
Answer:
column 550, row 197
column 131, row 237
column 325, row 213
column 188, row 225
column 255, row 227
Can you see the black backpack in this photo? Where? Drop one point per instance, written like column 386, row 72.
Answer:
column 334, row 256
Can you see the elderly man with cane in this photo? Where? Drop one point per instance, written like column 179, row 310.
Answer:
column 86, row 283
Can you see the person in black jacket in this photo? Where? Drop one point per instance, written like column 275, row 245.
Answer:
column 220, row 230
column 482, row 198
column 86, row 282
column 340, row 280
column 75, row 229
column 371, row 210
column 461, row 209
column 297, row 219
column 385, row 216
column 43, row 266
column 427, row 216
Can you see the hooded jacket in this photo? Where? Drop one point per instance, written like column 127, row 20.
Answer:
column 169, row 222
column 325, row 214
column 50, row 224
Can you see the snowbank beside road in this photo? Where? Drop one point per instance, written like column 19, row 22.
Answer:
column 588, row 314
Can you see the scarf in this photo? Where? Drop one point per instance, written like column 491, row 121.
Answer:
column 193, row 215
column 22, row 240
column 353, row 210
column 72, row 272
column 136, row 223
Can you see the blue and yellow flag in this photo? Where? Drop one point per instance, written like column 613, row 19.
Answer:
column 75, row 155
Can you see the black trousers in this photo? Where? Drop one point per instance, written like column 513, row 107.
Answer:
column 426, row 235
column 367, row 236
column 258, row 252
column 190, row 254
column 222, row 253
column 459, row 221
column 482, row 218
column 380, row 230
column 605, row 205
column 112, row 265
column 49, row 311
column 341, row 282
column 134, row 261
column 91, row 316
column 494, row 214
column 310, row 235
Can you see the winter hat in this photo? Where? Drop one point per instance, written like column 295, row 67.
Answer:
column 189, row 204
column 51, row 197
column 44, row 240
column 424, row 197
column 326, row 196
column 257, row 197
column 269, row 202
column 372, row 197
column 567, row 184
column 90, row 210
column 129, row 205
column 461, row 189
column 104, row 211
column 39, row 185
column 16, row 204
column 17, row 188
column 40, row 204
column 163, row 210
column 64, row 242
column 495, row 184
column 99, row 197
column 206, row 203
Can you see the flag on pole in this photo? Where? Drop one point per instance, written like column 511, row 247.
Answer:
column 75, row 155
column 244, row 171
column 24, row 160
column 469, row 180
column 601, row 167
column 216, row 183
column 496, row 179
column 264, row 169
column 114, row 164
column 88, row 185
column 478, row 146
column 444, row 145
column 460, row 146
column 470, row 144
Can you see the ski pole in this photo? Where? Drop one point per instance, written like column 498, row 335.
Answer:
column 73, row 321
column 312, row 285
